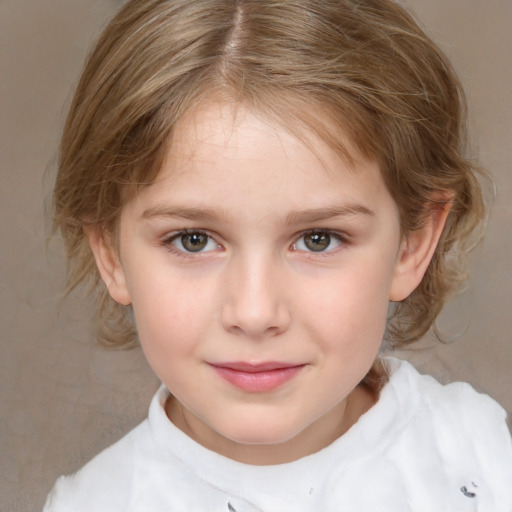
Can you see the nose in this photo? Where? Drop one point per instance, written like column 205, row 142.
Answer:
column 255, row 303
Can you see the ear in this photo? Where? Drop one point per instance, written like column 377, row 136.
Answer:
column 108, row 263
column 416, row 252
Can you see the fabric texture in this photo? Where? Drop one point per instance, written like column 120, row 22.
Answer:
column 422, row 447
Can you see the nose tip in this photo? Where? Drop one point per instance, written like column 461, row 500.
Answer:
column 255, row 306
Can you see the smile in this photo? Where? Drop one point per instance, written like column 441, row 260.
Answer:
column 257, row 378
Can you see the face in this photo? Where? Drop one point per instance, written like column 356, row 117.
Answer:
column 259, row 272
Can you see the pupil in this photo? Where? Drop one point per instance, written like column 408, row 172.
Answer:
column 194, row 242
column 317, row 241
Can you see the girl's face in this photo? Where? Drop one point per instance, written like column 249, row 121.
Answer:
column 260, row 273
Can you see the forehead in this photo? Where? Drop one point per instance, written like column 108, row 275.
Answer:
column 228, row 157
column 224, row 130
column 306, row 117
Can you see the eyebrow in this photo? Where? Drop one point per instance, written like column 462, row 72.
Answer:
column 294, row 217
column 186, row 213
column 319, row 214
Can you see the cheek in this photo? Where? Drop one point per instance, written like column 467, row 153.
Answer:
column 350, row 306
column 169, row 331
column 171, row 313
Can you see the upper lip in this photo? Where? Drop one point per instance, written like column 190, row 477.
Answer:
column 242, row 366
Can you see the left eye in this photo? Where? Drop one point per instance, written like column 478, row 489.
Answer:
column 193, row 241
column 318, row 241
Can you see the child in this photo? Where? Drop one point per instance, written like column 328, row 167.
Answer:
column 253, row 182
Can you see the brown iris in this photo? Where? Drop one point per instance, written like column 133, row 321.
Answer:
column 194, row 242
column 318, row 241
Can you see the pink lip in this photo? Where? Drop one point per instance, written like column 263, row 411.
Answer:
column 257, row 378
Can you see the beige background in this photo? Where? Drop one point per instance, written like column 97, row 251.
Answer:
column 62, row 398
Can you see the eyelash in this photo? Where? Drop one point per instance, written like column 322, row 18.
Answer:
column 339, row 237
column 168, row 242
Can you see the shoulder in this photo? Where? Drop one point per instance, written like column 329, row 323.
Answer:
column 457, row 430
column 107, row 481
column 420, row 405
column 103, row 483
column 148, row 469
column 456, row 404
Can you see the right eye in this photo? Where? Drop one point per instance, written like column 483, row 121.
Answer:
column 193, row 242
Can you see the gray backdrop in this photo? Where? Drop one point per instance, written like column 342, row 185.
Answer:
column 63, row 399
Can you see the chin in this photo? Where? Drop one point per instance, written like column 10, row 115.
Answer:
column 256, row 433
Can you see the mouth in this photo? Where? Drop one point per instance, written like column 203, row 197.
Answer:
column 257, row 378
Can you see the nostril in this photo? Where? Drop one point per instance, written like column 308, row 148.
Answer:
column 273, row 331
column 268, row 332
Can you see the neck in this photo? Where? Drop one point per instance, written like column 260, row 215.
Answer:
column 315, row 437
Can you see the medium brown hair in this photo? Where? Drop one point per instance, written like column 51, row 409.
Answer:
column 366, row 63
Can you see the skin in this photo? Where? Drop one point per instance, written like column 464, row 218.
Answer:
column 255, row 292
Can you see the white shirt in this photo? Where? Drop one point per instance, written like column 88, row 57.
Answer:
column 421, row 447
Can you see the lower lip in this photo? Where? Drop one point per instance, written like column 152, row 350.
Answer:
column 258, row 382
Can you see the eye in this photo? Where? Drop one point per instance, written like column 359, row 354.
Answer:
column 193, row 241
column 318, row 241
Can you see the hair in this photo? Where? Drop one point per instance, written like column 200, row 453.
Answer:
column 366, row 63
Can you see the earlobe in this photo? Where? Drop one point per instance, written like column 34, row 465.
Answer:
column 108, row 263
column 416, row 252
